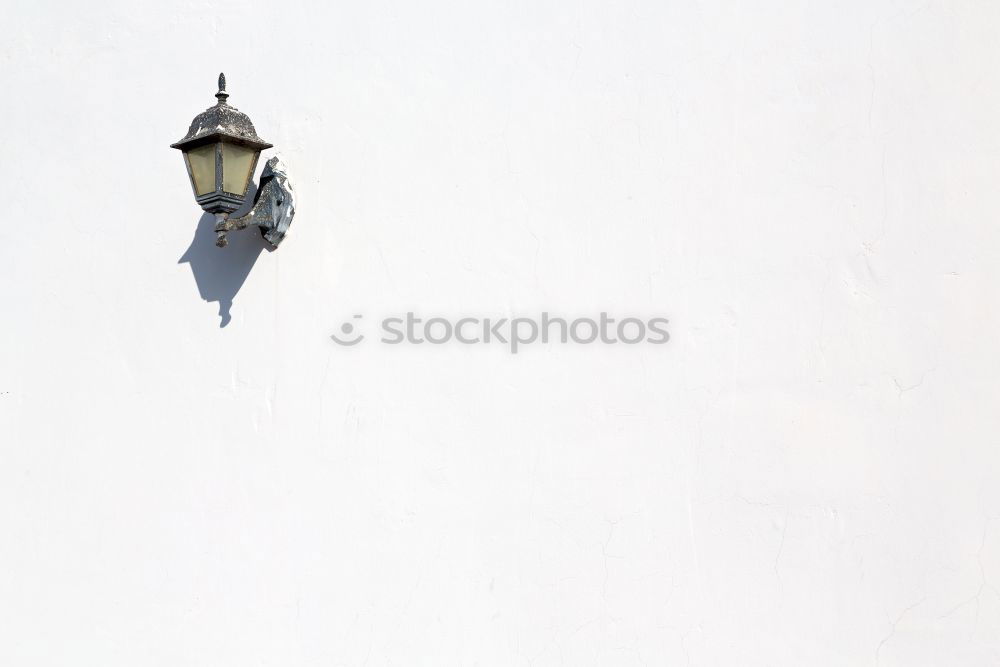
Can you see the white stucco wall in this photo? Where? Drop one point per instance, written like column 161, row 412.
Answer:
column 806, row 474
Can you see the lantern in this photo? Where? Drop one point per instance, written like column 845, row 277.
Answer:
column 221, row 150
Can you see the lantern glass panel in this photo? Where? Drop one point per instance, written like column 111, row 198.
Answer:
column 236, row 164
column 201, row 162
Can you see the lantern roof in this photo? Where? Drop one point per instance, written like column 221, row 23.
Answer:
column 221, row 122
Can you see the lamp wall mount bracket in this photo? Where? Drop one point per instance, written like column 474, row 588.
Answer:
column 273, row 207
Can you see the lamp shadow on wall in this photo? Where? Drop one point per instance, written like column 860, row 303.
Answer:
column 221, row 272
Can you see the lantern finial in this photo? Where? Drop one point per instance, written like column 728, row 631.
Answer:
column 222, row 94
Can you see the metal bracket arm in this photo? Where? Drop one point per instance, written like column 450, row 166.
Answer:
column 273, row 207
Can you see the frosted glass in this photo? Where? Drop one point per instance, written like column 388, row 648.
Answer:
column 236, row 163
column 201, row 162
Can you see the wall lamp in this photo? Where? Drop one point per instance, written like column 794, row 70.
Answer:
column 221, row 150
